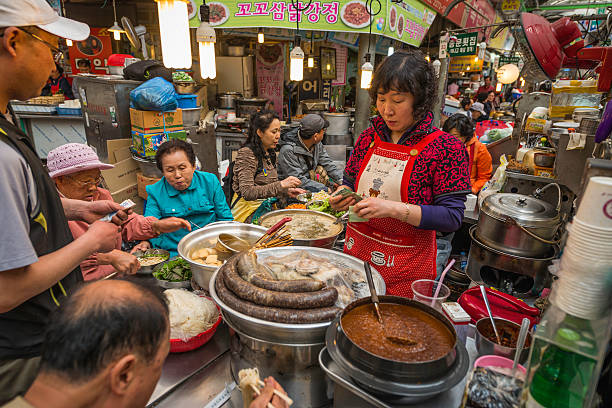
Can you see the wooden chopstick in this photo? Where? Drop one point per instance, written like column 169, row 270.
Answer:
column 258, row 392
column 282, row 396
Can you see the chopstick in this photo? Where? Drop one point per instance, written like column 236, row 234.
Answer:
column 282, row 396
column 258, row 392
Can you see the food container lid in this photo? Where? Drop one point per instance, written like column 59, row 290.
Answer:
column 527, row 211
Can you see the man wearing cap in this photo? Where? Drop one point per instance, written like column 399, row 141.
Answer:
column 478, row 112
column 38, row 257
column 302, row 155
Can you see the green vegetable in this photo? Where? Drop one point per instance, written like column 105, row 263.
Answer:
column 177, row 270
column 325, row 207
column 181, row 76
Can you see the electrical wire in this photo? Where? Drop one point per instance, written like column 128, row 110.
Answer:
column 368, row 6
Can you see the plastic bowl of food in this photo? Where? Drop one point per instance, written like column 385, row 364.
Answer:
column 497, row 361
column 151, row 258
column 173, row 274
column 180, row 346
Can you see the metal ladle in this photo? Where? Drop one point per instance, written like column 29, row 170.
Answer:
column 396, row 338
column 486, row 301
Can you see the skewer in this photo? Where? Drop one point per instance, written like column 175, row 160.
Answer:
column 258, row 392
column 282, row 396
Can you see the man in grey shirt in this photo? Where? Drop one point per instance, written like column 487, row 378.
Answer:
column 38, row 257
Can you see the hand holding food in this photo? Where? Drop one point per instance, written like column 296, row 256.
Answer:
column 141, row 246
column 124, row 263
column 170, row 224
column 290, row 182
column 294, row 192
column 269, row 394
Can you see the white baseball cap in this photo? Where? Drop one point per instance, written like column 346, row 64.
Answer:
column 21, row 13
column 478, row 107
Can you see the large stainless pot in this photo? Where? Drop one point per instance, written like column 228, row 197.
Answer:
column 206, row 237
column 227, row 100
column 395, row 370
column 249, row 106
column 338, row 123
column 284, row 333
column 528, row 276
column 324, row 242
column 517, row 224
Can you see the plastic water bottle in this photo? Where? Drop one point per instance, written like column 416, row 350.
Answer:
column 463, row 261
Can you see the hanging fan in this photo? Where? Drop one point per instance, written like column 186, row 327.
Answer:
column 547, row 48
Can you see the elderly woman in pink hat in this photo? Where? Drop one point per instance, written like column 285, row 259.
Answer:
column 75, row 168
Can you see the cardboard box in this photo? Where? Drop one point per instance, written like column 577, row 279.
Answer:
column 123, row 153
column 114, row 145
column 156, row 122
column 122, row 176
column 146, row 144
column 143, row 182
column 130, row 192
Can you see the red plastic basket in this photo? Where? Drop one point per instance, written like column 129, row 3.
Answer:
column 180, row 346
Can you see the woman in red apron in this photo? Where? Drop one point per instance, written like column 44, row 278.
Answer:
column 413, row 176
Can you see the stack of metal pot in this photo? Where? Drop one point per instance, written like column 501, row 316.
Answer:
column 513, row 243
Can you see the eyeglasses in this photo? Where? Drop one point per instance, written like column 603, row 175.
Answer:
column 58, row 54
column 87, row 183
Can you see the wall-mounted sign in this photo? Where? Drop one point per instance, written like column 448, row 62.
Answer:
column 465, row 64
column 407, row 21
column 465, row 44
column 503, row 60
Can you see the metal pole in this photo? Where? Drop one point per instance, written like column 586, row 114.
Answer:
column 362, row 99
column 437, row 110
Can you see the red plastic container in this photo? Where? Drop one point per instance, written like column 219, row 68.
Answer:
column 502, row 305
column 180, row 346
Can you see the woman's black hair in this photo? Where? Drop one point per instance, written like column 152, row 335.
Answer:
column 260, row 121
column 462, row 123
column 482, row 97
column 172, row 146
column 59, row 68
column 465, row 102
column 407, row 70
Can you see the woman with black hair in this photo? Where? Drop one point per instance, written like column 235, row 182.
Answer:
column 183, row 192
column 481, row 163
column 466, row 104
column 255, row 178
column 412, row 176
column 58, row 84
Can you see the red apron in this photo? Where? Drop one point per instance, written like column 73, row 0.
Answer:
column 400, row 252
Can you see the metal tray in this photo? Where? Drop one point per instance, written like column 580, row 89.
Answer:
column 284, row 333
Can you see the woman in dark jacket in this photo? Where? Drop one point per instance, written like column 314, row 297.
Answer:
column 413, row 177
column 58, row 84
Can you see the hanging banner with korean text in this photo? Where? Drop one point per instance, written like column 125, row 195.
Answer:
column 407, row 21
column 465, row 44
column 270, row 68
column 96, row 49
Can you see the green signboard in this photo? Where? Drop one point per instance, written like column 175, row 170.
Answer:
column 465, row 44
column 407, row 21
column 503, row 60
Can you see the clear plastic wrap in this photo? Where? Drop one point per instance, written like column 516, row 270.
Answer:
column 489, row 388
column 190, row 314
column 349, row 283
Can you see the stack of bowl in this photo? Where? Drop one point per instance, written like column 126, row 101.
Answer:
column 584, row 287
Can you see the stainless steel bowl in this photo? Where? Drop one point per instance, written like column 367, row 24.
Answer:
column 184, row 87
column 283, row 333
column 206, row 237
column 148, row 167
column 487, row 347
column 152, row 252
column 323, row 242
column 167, row 284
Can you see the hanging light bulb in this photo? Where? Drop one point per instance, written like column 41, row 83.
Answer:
column 206, row 38
column 115, row 29
column 476, row 59
column 390, row 51
column 522, row 82
column 427, row 58
column 436, row 66
column 498, row 87
column 367, row 69
column 174, row 32
column 260, row 36
column 296, row 68
column 328, row 67
column 311, row 51
column 69, row 43
column 311, row 62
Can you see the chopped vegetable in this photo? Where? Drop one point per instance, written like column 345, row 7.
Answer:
column 325, row 207
column 177, row 270
column 296, row 207
column 181, row 76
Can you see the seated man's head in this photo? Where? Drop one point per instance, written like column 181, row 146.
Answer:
column 57, row 72
column 177, row 162
column 312, row 128
column 75, row 168
column 459, row 126
column 104, row 347
column 84, row 66
column 477, row 109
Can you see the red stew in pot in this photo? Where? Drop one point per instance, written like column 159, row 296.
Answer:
column 427, row 338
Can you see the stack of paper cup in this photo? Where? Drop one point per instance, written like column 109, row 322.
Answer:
column 584, row 287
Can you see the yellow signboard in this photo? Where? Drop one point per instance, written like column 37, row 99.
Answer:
column 466, row 63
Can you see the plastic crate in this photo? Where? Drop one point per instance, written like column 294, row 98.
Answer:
column 187, row 101
column 69, row 111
